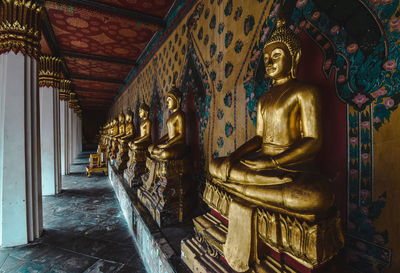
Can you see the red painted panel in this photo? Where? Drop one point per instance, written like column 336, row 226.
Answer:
column 332, row 157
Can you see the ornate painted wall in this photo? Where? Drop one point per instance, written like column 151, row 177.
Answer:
column 351, row 52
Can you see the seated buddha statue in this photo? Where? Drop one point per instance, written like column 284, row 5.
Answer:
column 275, row 169
column 121, row 133
column 113, row 131
column 138, row 148
column 123, row 149
column 171, row 145
column 166, row 185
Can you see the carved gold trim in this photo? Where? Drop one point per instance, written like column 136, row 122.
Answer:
column 49, row 71
column 65, row 89
column 20, row 27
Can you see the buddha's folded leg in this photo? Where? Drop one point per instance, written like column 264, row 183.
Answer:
column 242, row 174
column 217, row 167
column 173, row 152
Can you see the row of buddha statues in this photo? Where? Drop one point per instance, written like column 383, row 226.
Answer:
column 268, row 190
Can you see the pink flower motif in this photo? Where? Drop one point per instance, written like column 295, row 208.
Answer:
column 364, row 210
column 389, row 103
column 274, row 11
column 327, row 64
column 253, row 115
column 319, row 38
column 365, row 124
column 353, row 140
column 316, row 15
column 308, row 25
column 335, row 29
column 301, row 3
column 394, row 22
column 327, row 45
column 379, row 92
column 375, row 2
column 387, row 2
column 379, row 239
column 364, row 156
column 341, row 79
column 352, row 48
column 377, row 120
column 360, row 99
column 302, row 24
column 297, row 30
column 364, row 194
column 252, row 95
column 361, row 246
column 390, row 65
column 352, row 207
column 353, row 171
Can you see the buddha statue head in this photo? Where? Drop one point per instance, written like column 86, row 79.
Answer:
column 121, row 118
column 174, row 98
column 115, row 122
column 144, row 111
column 282, row 52
column 129, row 115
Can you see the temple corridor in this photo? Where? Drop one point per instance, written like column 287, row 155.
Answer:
column 84, row 231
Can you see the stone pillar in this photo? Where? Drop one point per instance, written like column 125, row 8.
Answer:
column 20, row 166
column 65, row 89
column 49, row 85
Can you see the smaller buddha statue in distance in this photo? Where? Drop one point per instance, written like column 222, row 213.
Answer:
column 138, row 148
column 172, row 145
column 129, row 127
column 144, row 140
column 121, row 126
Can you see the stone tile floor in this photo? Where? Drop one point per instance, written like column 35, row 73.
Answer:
column 84, row 231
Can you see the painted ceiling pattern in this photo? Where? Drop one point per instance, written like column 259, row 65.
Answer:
column 98, row 45
column 97, row 68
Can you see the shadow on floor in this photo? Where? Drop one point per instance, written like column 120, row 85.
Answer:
column 84, row 231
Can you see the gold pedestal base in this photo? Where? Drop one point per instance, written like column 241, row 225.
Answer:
column 309, row 244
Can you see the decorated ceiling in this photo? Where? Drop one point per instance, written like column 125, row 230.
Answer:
column 100, row 42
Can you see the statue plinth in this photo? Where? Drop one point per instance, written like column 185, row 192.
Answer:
column 136, row 167
column 167, row 190
column 122, row 157
column 310, row 241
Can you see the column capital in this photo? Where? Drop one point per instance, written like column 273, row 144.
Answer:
column 20, row 27
column 72, row 102
column 49, row 71
column 65, row 89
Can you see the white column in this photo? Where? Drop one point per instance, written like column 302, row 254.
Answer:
column 50, row 145
column 63, row 138
column 70, row 136
column 20, row 181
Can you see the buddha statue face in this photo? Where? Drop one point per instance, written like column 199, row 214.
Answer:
column 121, row 118
column 278, row 61
column 143, row 113
column 173, row 103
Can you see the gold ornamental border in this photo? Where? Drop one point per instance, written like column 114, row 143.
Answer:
column 65, row 89
column 49, row 71
column 20, row 27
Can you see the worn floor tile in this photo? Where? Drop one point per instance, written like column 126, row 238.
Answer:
column 84, row 231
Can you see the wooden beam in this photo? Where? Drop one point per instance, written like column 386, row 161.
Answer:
column 82, row 89
column 88, row 78
column 133, row 15
column 97, row 57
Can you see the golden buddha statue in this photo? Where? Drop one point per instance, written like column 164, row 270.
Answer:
column 270, row 182
column 138, row 148
column 123, row 149
column 163, row 192
column 113, row 131
column 121, row 132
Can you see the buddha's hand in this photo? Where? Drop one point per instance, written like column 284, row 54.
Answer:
column 260, row 164
column 162, row 146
